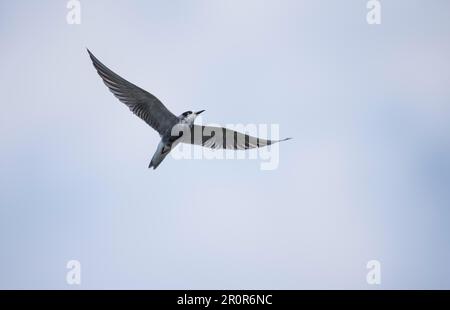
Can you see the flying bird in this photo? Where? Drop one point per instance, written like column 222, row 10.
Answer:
column 171, row 128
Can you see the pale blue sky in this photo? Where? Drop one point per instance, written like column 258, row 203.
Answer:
column 365, row 178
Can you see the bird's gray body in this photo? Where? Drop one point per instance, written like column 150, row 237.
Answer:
column 167, row 143
column 172, row 129
column 161, row 152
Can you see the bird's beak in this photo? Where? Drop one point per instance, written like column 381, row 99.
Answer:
column 200, row 112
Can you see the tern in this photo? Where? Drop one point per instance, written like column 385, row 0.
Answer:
column 171, row 128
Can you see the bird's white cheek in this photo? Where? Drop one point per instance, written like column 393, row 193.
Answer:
column 190, row 119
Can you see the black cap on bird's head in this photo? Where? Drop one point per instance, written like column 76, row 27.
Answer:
column 190, row 116
column 186, row 114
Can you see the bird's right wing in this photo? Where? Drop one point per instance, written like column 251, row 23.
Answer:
column 140, row 102
column 223, row 138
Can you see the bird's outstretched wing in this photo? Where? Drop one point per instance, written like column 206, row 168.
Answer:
column 140, row 102
column 223, row 138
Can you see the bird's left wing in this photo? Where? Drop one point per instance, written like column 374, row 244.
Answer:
column 223, row 138
column 140, row 102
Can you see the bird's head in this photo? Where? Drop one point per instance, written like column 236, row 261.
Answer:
column 189, row 116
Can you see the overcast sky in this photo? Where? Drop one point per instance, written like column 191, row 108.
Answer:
column 366, row 177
